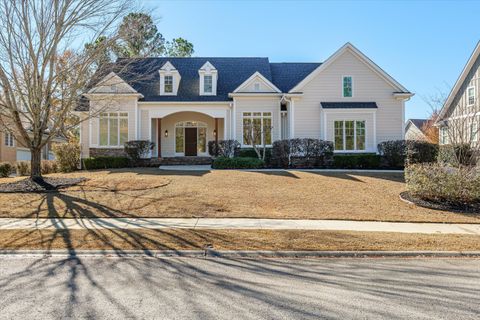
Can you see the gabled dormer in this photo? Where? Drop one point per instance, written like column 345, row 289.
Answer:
column 257, row 83
column 208, row 80
column 169, row 80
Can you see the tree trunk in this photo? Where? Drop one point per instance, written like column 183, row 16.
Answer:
column 35, row 165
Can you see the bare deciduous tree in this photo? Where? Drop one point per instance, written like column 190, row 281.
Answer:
column 256, row 136
column 42, row 75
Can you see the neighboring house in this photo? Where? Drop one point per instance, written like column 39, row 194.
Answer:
column 182, row 103
column 12, row 151
column 414, row 129
column 459, row 119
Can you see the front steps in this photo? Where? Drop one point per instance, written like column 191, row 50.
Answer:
column 180, row 161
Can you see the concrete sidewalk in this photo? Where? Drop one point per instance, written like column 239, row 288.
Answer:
column 238, row 223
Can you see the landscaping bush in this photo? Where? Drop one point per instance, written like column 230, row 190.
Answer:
column 250, row 153
column 49, row 166
column 138, row 149
column 457, row 155
column 6, row 169
column 23, row 168
column 421, row 152
column 393, row 152
column 105, row 163
column 223, row 148
column 301, row 153
column 357, row 161
column 67, row 156
column 441, row 183
column 237, row 163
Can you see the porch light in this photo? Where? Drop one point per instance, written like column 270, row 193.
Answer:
column 214, row 133
column 166, row 133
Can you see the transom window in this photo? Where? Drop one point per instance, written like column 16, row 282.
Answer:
column 168, row 86
column 257, row 128
column 207, row 84
column 349, row 135
column 113, row 129
column 347, row 87
column 180, row 136
column 471, row 95
column 9, row 140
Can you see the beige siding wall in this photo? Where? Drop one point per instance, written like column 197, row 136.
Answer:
column 257, row 104
column 120, row 104
column 413, row 133
column 84, row 136
column 368, row 86
column 7, row 154
column 369, row 118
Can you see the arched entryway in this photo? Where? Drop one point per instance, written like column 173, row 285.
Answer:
column 190, row 138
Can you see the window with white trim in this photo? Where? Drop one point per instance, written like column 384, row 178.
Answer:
column 347, row 89
column 350, row 135
column 207, row 84
column 474, row 132
column 168, row 84
column 257, row 128
column 471, row 96
column 9, row 140
column 443, row 135
column 113, row 129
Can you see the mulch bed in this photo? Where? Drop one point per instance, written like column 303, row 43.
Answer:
column 441, row 205
column 48, row 185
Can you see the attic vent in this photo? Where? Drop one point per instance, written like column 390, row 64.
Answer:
column 256, row 87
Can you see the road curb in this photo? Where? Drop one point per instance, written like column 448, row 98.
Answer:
column 209, row 253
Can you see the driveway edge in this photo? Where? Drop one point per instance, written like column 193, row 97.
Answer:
column 209, row 253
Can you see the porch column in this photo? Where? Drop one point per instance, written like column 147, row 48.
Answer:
column 159, row 137
column 216, row 130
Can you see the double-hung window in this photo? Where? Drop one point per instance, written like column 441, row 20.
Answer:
column 257, row 128
column 471, row 96
column 443, row 135
column 113, row 129
column 9, row 140
column 347, row 89
column 207, row 84
column 349, row 135
column 168, row 85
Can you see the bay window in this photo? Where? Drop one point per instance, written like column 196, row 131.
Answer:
column 257, row 128
column 113, row 129
column 349, row 135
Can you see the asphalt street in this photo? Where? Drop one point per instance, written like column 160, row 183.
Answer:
column 213, row 288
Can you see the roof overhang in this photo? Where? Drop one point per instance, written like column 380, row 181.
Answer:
column 458, row 84
column 403, row 96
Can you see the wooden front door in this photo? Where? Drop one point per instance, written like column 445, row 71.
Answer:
column 190, row 141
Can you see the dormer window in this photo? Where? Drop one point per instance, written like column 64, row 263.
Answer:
column 208, row 84
column 168, row 84
column 208, row 80
column 169, row 80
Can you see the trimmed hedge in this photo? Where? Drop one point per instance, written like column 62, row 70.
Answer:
column 421, row 152
column 105, row 163
column 437, row 182
column 138, row 149
column 6, row 169
column 237, row 163
column 223, row 148
column 357, row 161
column 250, row 153
column 398, row 153
column 302, row 153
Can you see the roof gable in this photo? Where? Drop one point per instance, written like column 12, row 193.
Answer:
column 257, row 83
column 361, row 57
column 472, row 61
column 112, row 83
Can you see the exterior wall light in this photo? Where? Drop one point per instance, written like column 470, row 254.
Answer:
column 166, row 133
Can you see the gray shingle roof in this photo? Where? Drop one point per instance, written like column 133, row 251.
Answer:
column 349, row 105
column 287, row 75
column 142, row 74
column 418, row 122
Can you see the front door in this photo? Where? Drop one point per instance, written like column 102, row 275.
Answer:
column 190, row 141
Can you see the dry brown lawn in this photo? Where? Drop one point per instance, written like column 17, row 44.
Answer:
column 184, row 239
column 295, row 194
